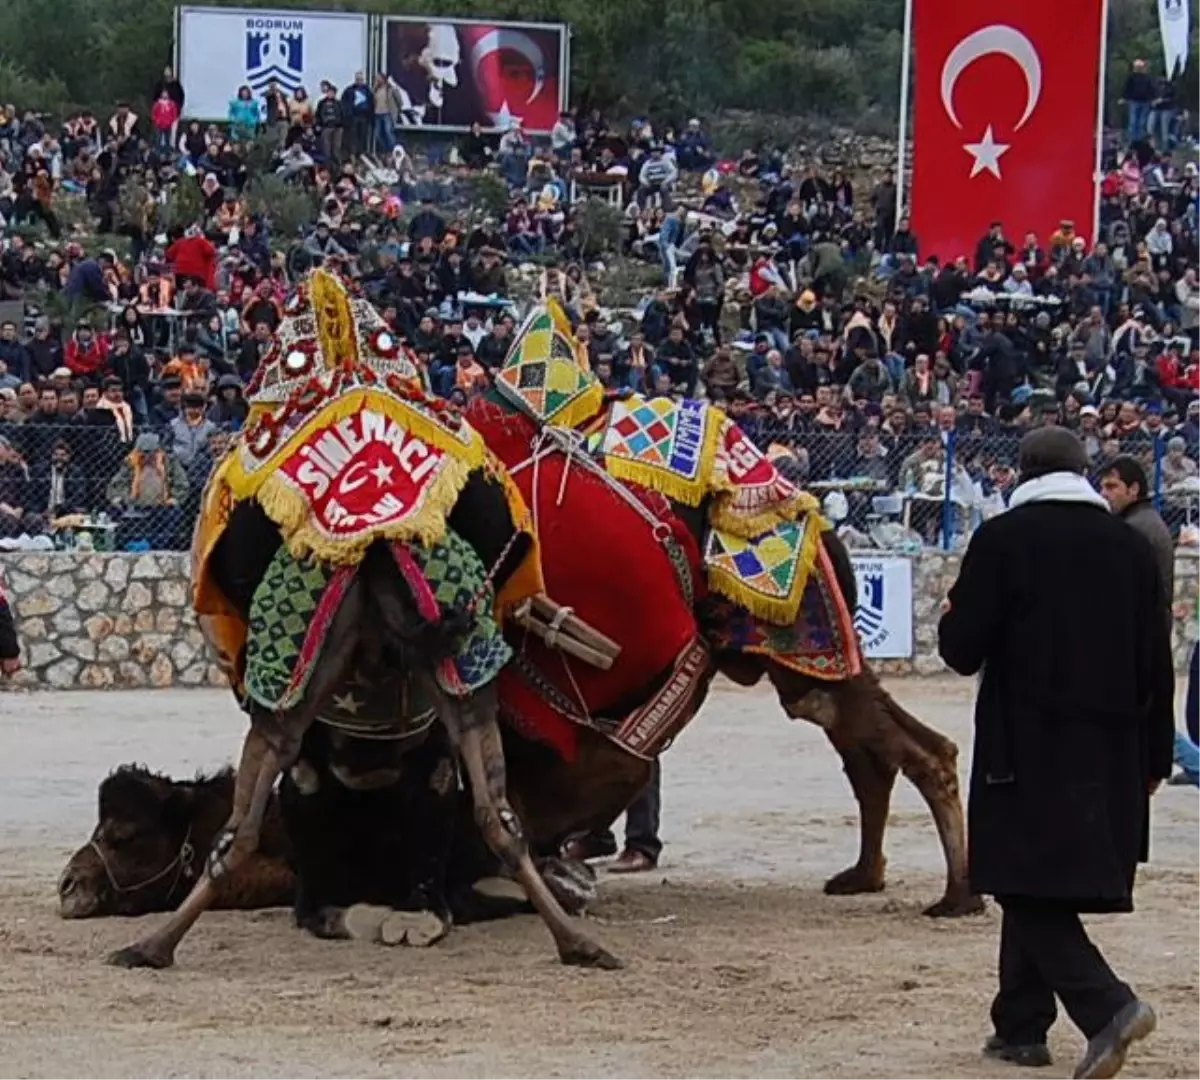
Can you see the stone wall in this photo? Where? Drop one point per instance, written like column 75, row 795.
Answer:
column 111, row 620
column 121, row 620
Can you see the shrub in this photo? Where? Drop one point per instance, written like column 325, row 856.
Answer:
column 286, row 208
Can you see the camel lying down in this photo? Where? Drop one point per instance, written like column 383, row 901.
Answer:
column 396, row 858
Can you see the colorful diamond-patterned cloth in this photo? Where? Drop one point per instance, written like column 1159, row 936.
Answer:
column 458, row 580
column 820, row 642
column 546, row 375
column 766, row 575
column 281, row 611
column 665, row 445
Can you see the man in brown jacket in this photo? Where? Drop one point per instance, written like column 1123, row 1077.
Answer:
column 1126, row 489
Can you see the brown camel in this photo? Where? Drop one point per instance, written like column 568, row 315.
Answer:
column 377, row 627
column 876, row 738
column 874, row 743
column 874, row 735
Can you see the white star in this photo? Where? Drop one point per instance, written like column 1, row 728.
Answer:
column 986, row 153
column 382, row 473
column 504, row 118
column 348, row 703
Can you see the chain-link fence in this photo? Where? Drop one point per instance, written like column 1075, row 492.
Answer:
column 933, row 488
column 100, row 484
column 96, row 484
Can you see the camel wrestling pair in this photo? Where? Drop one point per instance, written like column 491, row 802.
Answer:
column 552, row 576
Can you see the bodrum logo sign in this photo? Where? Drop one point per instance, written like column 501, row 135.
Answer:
column 274, row 51
column 869, row 618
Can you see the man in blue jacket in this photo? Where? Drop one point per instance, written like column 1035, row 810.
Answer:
column 1187, row 747
column 14, row 354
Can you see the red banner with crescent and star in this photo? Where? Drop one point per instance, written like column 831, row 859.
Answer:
column 1004, row 120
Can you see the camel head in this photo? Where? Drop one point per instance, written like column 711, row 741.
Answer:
column 146, row 850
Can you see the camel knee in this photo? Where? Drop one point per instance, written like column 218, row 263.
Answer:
column 501, row 829
column 935, row 776
column 232, row 847
column 817, row 706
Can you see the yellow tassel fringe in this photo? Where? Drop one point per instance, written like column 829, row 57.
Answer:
column 291, row 512
column 726, row 517
column 246, row 482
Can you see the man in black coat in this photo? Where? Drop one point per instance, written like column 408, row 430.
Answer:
column 1073, row 733
column 10, row 646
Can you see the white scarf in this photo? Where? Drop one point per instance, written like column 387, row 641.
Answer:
column 1057, row 487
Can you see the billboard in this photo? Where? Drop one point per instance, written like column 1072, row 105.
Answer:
column 453, row 73
column 884, row 618
column 221, row 49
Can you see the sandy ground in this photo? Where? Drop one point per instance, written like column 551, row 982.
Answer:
column 737, row 963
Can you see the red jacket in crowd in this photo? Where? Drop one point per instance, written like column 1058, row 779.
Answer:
column 89, row 359
column 1169, row 371
column 164, row 114
column 194, row 257
column 1177, row 374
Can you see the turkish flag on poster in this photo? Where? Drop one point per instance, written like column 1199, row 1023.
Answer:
column 515, row 73
column 1004, row 120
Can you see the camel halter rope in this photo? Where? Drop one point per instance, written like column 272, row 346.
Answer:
column 181, row 864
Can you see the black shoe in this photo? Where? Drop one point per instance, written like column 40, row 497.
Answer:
column 1027, row 1055
column 1106, row 1051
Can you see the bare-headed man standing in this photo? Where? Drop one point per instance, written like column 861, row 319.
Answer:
column 1060, row 605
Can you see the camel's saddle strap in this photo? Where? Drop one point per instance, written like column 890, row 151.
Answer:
column 650, row 728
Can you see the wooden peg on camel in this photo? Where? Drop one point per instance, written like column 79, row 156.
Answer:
column 560, row 628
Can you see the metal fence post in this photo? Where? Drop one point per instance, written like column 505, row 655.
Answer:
column 1160, row 444
column 948, row 493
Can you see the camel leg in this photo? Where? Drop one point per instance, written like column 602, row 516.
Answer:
column 930, row 761
column 475, row 731
column 271, row 745
column 877, row 737
column 931, row 765
column 872, row 780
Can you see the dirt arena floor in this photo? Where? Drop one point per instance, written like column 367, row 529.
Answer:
column 738, row 965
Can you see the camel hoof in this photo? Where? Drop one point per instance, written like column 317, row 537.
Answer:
column 955, row 907
column 135, row 956
column 363, row 922
column 588, row 954
column 416, row 929
column 853, row 881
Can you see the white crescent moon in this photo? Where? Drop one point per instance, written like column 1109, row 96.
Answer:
column 507, row 38
column 993, row 39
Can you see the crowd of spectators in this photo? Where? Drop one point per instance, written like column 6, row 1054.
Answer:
column 790, row 292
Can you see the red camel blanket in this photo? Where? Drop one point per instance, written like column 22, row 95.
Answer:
column 609, row 562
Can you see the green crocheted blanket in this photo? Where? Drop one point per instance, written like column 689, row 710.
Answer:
column 296, row 600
